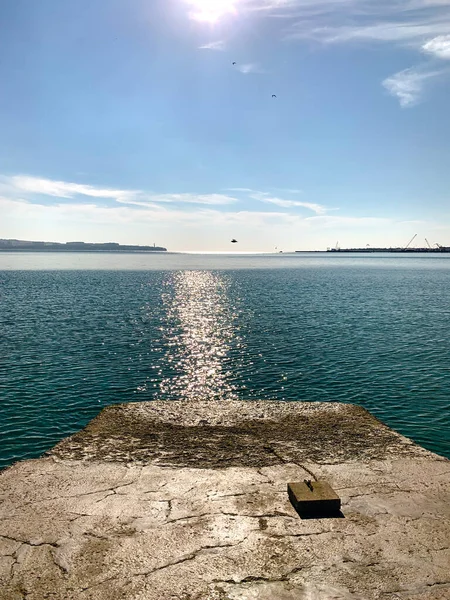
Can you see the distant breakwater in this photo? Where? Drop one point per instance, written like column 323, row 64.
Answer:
column 26, row 246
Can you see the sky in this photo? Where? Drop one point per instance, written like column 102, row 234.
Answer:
column 285, row 124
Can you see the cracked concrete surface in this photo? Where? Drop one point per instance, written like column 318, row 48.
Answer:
column 188, row 501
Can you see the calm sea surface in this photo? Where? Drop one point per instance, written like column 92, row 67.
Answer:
column 81, row 331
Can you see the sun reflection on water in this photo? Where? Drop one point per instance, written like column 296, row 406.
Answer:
column 200, row 331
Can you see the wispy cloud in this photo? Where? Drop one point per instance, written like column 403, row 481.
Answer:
column 77, row 209
column 84, row 212
column 208, row 199
column 408, row 85
column 267, row 198
column 248, row 68
column 412, row 22
column 419, row 25
column 337, row 21
column 63, row 189
column 219, row 45
column 37, row 186
column 207, row 228
column 334, row 221
column 317, row 208
column 204, row 217
column 291, row 191
column 438, row 46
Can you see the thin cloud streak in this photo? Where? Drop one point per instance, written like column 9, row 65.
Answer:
column 209, row 199
column 317, row 208
column 125, row 214
column 408, row 85
column 397, row 21
column 330, row 220
column 420, row 25
column 80, row 215
column 327, row 21
column 63, row 189
column 181, row 229
column 264, row 197
column 156, row 214
column 219, row 45
column 248, row 68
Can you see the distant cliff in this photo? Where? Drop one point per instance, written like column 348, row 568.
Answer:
column 25, row 246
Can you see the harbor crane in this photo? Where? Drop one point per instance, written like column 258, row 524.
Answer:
column 428, row 243
column 410, row 242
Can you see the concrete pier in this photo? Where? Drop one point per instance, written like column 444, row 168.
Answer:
column 188, row 501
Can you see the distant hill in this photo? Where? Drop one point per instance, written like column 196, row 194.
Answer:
column 26, row 246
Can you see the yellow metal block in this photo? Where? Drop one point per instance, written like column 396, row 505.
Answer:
column 314, row 499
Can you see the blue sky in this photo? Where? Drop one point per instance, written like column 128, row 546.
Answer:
column 127, row 121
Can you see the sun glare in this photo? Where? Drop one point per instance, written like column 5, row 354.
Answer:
column 211, row 11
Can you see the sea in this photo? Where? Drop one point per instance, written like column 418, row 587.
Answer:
column 83, row 331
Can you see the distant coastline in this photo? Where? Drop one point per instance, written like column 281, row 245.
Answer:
column 27, row 246
column 437, row 250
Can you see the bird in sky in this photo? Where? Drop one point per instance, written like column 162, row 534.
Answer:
column 273, row 96
column 233, row 241
column 234, row 63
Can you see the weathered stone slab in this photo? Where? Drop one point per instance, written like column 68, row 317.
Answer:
column 219, row 435
column 144, row 505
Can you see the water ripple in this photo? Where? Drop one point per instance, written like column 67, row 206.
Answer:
column 73, row 342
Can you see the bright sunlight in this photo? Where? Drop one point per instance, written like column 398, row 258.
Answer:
column 211, row 10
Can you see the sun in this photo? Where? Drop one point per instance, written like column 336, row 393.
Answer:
column 211, row 11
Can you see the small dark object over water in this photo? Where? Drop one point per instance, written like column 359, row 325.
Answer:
column 314, row 499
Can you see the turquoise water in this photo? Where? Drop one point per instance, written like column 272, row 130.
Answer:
column 79, row 332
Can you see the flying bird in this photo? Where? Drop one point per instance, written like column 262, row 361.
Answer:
column 234, row 63
column 273, row 96
column 233, row 241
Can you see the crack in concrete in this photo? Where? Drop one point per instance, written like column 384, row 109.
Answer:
column 256, row 579
column 269, row 480
column 11, row 539
column 81, row 495
column 90, row 587
column 31, row 545
column 190, row 517
column 152, row 491
column 60, row 565
column 111, row 545
column 113, row 493
column 217, row 498
column 286, row 461
column 169, row 508
column 231, row 514
column 416, row 590
column 259, row 515
column 16, row 562
column 188, row 557
column 300, row 535
column 64, row 497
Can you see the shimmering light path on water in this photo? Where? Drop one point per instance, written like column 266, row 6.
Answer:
column 369, row 330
